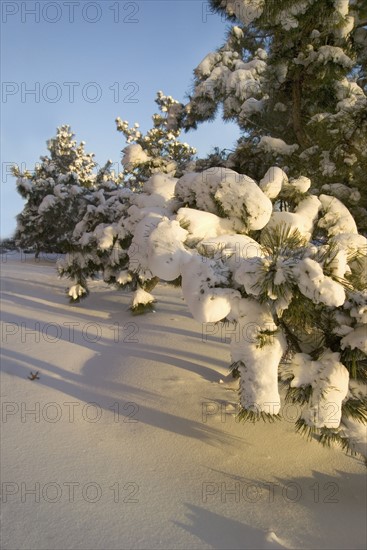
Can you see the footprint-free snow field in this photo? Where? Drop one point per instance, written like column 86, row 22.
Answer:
column 120, row 432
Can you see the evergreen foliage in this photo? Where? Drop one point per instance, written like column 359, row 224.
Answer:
column 293, row 76
column 159, row 150
column 54, row 194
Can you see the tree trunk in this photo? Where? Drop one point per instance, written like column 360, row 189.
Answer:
column 297, row 112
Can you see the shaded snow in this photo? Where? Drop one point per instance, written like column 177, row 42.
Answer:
column 47, row 203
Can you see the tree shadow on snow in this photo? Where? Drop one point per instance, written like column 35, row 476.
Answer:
column 106, row 362
column 97, row 389
column 332, row 508
column 189, row 361
column 224, row 533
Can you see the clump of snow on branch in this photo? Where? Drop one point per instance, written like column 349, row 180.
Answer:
column 329, row 379
column 258, row 363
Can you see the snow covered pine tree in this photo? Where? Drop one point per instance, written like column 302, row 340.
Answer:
column 292, row 74
column 110, row 222
column 54, row 194
column 160, row 150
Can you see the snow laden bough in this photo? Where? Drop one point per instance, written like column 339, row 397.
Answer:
column 111, row 239
column 287, row 269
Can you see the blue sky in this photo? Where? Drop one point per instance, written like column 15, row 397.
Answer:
column 89, row 62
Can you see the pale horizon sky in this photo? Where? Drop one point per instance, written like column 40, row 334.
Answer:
column 85, row 63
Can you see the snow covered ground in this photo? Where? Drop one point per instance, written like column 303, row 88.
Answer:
column 127, row 438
